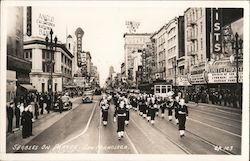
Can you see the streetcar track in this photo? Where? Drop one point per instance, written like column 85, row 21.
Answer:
column 203, row 140
column 168, row 138
column 216, row 115
column 237, row 127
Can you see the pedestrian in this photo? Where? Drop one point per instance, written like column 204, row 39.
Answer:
column 48, row 102
column 182, row 116
column 41, row 102
column 148, row 109
column 30, row 120
column 60, row 104
column 10, row 115
column 24, row 122
column 121, row 115
column 17, row 114
column 36, row 110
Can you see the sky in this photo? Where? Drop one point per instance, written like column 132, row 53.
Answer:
column 104, row 28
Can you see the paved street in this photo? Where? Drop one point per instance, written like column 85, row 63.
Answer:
column 81, row 131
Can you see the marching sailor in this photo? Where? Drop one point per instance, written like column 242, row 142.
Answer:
column 182, row 116
column 163, row 103
column 121, row 115
column 170, row 107
column 104, row 109
column 153, row 110
column 176, row 104
column 148, row 109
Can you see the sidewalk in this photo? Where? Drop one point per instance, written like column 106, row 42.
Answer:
column 42, row 123
column 215, row 106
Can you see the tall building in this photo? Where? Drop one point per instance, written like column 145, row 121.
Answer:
column 204, row 44
column 175, row 55
column 37, row 53
column 160, row 42
column 18, row 68
column 132, row 43
column 71, row 46
column 111, row 71
column 37, row 25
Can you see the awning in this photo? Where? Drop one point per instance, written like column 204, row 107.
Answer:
column 28, row 87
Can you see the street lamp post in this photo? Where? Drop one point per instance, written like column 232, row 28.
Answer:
column 237, row 45
column 49, row 47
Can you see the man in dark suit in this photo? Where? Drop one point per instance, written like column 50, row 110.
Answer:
column 18, row 115
column 10, row 114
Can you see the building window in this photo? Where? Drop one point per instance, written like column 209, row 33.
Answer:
column 201, row 44
column 201, row 27
column 69, row 45
column 43, row 87
column 55, row 87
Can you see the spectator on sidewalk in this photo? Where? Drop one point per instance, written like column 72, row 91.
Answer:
column 10, row 115
column 36, row 110
column 60, row 104
column 30, row 122
column 41, row 101
column 48, row 102
column 18, row 115
column 24, row 122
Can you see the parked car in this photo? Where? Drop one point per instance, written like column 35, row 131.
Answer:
column 87, row 97
column 67, row 104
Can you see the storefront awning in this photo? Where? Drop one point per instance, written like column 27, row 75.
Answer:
column 28, row 87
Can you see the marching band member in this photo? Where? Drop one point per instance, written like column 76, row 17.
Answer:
column 148, row 109
column 104, row 110
column 153, row 110
column 170, row 107
column 182, row 116
column 176, row 104
column 163, row 103
column 144, row 107
column 157, row 102
column 127, row 107
column 121, row 114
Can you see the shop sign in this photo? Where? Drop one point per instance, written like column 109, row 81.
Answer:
column 182, row 81
column 198, row 75
column 45, row 24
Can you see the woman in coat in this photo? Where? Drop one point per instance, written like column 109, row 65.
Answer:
column 182, row 116
column 24, row 122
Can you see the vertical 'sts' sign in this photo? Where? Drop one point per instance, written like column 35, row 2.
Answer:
column 216, row 30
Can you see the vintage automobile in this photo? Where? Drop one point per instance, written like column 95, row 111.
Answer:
column 67, row 104
column 87, row 97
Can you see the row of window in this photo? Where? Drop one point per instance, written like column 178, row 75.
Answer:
column 172, row 40
column 66, row 60
column 172, row 50
column 194, row 47
column 136, row 40
column 171, row 31
column 193, row 15
column 66, row 71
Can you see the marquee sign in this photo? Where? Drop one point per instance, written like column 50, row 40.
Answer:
column 224, row 72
